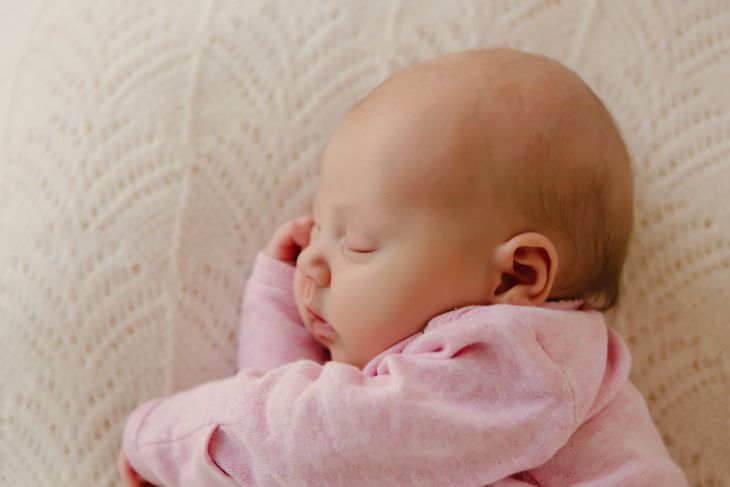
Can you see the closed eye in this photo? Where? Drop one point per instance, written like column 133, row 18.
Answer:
column 361, row 251
column 356, row 254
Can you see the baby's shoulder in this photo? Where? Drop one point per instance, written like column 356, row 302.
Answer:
column 555, row 326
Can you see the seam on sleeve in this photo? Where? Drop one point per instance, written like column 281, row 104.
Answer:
column 560, row 369
column 142, row 421
column 178, row 438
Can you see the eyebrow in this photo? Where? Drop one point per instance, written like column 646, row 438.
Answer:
column 375, row 225
column 337, row 209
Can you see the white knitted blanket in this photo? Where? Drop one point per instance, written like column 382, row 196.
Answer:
column 149, row 149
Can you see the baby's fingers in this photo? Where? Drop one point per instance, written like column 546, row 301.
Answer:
column 289, row 239
column 127, row 473
column 302, row 227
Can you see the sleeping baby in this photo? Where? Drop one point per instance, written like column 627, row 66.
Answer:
column 437, row 319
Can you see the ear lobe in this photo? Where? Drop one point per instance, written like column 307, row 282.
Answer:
column 527, row 265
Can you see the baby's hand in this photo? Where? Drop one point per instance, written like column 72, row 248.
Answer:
column 129, row 476
column 290, row 239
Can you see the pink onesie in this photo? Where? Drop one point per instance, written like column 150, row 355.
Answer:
column 485, row 395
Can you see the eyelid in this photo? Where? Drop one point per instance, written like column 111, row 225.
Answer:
column 355, row 256
column 359, row 251
column 361, row 242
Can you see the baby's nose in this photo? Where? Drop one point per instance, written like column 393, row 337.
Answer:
column 312, row 264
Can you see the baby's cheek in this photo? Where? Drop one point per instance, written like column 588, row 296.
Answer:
column 347, row 308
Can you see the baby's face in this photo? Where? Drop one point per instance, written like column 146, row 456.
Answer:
column 394, row 242
column 422, row 204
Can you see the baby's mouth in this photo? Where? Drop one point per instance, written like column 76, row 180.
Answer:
column 319, row 328
column 312, row 314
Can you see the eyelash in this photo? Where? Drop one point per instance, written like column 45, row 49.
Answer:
column 359, row 251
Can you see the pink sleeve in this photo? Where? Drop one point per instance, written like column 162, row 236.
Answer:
column 422, row 419
column 271, row 332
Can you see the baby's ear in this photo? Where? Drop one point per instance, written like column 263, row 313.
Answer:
column 526, row 266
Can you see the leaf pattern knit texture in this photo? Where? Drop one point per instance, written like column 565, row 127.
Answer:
column 149, row 149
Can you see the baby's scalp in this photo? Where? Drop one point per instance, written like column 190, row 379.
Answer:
column 549, row 157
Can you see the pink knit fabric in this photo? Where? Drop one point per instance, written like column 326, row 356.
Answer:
column 486, row 395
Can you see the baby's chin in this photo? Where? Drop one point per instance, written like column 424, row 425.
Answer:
column 336, row 355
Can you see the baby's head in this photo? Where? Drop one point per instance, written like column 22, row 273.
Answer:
column 481, row 177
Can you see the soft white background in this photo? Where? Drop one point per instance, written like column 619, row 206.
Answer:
column 148, row 149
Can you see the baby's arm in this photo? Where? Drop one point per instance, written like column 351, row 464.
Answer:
column 271, row 332
column 424, row 417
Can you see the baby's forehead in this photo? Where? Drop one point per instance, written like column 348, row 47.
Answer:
column 404, row 148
